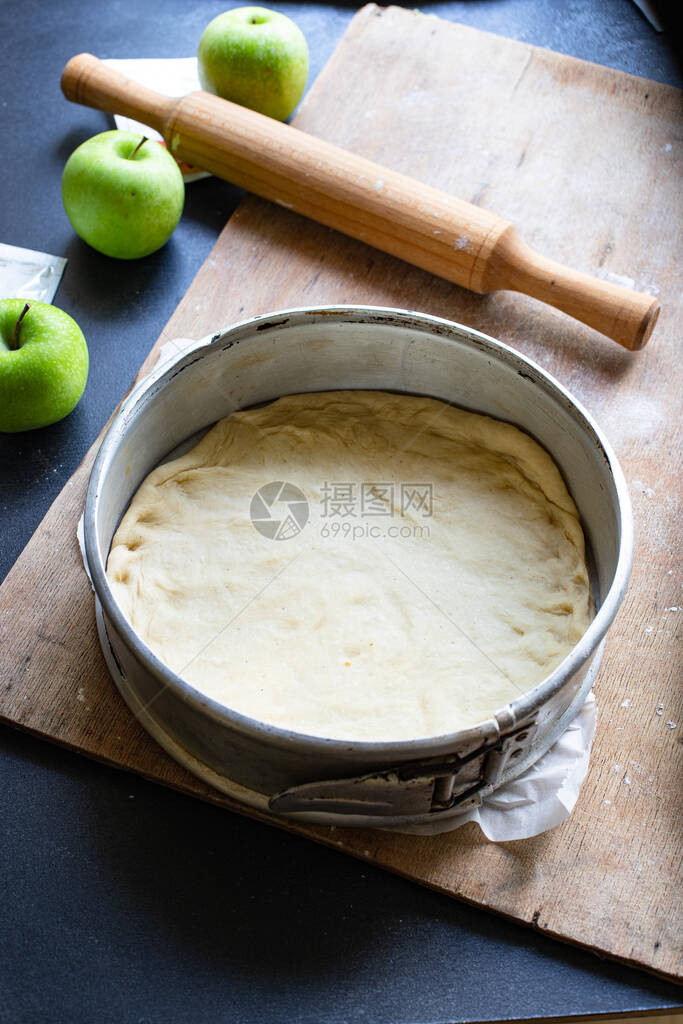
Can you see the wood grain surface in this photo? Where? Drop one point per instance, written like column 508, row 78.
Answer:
column 586, row 161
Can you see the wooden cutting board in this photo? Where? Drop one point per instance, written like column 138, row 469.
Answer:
column 585, row 161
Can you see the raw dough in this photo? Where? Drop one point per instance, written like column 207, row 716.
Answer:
column 339, row 631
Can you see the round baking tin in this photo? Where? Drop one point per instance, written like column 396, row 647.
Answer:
column 377, row 784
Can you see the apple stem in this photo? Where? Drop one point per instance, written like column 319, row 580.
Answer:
column 142, row 141
column 15, row 336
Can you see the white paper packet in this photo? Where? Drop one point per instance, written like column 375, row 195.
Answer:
column 27, row 274
column 541, row 798
column 173, row 77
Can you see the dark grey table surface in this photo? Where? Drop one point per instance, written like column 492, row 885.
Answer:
column 121, row 901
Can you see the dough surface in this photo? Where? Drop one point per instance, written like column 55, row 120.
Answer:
column 343, row 630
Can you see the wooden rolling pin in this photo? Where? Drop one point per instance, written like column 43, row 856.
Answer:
column 428, row 228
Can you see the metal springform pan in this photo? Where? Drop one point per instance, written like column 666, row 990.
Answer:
column 382, row 784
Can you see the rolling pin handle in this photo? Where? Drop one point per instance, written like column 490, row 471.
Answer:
column 626, row 316
column 88, row 81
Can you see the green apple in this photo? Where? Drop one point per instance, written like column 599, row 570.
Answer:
column 255, row 57
column 43, row 364
column 123, row 194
